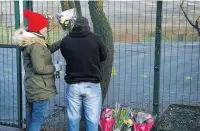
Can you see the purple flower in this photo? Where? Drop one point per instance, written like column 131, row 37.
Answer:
column 58, row 16
column 124, row 106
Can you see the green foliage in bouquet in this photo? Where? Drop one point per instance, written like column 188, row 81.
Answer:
column 67, row 25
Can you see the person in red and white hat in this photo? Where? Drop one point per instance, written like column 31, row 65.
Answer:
column 39, row 80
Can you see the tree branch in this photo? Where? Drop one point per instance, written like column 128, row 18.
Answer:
column 196, row 25
column 186, row 16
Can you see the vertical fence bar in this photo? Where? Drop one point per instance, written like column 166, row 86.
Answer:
column 25, row 6
column 30, row 5
column 19, row 86
column 17, row 15
column 157, row 60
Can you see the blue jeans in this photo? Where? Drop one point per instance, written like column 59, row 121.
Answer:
column 87, row 96
column 36, row 114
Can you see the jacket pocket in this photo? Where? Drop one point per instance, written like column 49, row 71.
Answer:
column 49, row 80
column 36, row 80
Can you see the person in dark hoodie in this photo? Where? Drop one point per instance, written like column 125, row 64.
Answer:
column 83, row 52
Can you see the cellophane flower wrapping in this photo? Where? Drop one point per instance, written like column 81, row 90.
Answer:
column 106, row 119
column 143, row 121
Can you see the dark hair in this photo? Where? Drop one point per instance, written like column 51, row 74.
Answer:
column 37, row 32
column 33, row 31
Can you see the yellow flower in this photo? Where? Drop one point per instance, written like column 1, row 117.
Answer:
column 62, row 20
column 125, row 121
column 66, row 23
column 130, row 121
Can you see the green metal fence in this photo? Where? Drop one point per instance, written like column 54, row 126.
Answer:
column 10, row 67
column 10, row 86
column 156, row 54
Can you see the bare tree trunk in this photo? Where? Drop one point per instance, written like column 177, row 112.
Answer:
column 78, row 8
column 64, row 5
column 69, row 4
column 103, row 28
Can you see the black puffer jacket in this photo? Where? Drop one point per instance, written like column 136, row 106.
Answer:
column 83, row 52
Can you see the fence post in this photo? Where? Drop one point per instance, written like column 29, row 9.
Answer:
column 17, row 14
column 157, row 60
column 19, row 86
column 27, row 5
column 19, row 67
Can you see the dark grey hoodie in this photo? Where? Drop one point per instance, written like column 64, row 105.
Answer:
column 83, row 52
column 81, row 28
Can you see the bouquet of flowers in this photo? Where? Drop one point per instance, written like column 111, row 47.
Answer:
column 67, row 19
column 106, row 119
column 120, row 115
column 143, row 121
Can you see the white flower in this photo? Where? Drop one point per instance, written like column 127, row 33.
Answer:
column 69, row 14
column 48, row 15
